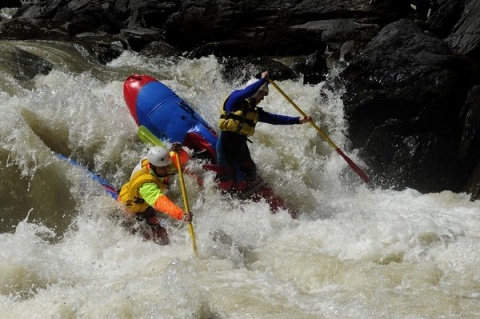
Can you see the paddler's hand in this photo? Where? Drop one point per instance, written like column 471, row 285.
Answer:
column 176, row 147
column 305, row 119
column 188, row 217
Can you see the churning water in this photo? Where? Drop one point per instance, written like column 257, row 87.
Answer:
column 355, row 251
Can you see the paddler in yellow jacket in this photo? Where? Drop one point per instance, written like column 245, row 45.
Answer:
column 145, row 194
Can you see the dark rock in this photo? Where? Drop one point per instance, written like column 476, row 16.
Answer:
column 315, row 69
column 470, row 138
column 40, row 11
column 220, row 27
column 465, row 38
column 19, row 29
column 421, row 8
column 336, row 32
column 401, row 154
column 81, row 15
column 243, row 69
column 10, row 4
column 149, row 14
column 348, row 51
column 473, row 185
column 227, row 48
column 27, row 65
column 139, row 38
column 387, row 11
column 445, row 18
column 103, row 48
column 264, row 28
column 413, row 80
column 160, row 48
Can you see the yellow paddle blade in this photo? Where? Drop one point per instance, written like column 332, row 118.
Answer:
column 147, row 137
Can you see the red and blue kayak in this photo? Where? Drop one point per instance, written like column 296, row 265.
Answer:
column 155, row 106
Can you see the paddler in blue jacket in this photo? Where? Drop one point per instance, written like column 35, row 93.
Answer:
column 238, row 117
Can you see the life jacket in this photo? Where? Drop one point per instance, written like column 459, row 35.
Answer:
column 242, row 121
column 130, row 191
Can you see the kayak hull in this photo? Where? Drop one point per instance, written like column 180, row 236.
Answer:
column 155, row 106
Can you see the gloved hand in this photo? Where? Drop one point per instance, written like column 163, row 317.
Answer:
column 176, row 147
column 188, row 217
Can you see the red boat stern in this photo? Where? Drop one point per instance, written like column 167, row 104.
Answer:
column 131, row 87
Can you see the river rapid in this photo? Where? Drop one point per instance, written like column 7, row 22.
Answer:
column 355, row 251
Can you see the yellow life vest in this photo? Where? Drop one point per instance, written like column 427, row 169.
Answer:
column 242, row 121
column 130, row 192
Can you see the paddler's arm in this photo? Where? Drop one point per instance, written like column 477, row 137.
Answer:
column 277, row 119
column 154, row 197
column 238, row 96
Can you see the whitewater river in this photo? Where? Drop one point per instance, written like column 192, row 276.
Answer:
column 355, row 251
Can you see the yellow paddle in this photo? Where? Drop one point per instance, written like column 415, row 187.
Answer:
column 185, row 203
column 146, row 136
column 339, row 151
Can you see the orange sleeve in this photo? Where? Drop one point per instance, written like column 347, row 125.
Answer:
column 184, row 157
column 166, row 206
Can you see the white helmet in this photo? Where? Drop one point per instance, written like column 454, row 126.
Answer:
column 263, row 88
column 159, row 156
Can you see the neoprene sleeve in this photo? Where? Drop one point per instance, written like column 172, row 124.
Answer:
column 165, row 205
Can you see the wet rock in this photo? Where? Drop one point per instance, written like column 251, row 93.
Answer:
column 444, row 19
column 465, row 36
column 403, row 100
column 314, row 69
column 10, row 4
